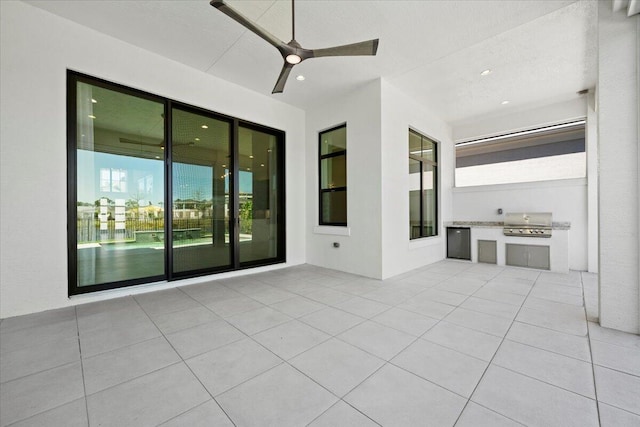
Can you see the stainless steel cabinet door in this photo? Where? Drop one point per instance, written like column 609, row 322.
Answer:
column 517, row 255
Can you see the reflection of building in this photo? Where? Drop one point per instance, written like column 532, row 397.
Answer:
column 192, row 209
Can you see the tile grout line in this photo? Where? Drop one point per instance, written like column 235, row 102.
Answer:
column 56, row 367
column 187, row 366
column 84, row 385
column 494, row 355
column 593, row 364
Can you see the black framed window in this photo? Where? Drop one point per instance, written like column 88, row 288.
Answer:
column 333, row 176
column 160, row 190
column 423, row 186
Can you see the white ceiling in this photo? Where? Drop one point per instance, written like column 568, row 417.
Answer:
column 539, row 51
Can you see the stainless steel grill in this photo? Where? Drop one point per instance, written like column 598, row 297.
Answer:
column 534, row 224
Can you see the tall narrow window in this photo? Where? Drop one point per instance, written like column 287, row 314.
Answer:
column 333, row 176
column 423, row 188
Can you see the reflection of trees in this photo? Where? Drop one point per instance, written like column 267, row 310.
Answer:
column 246, row 217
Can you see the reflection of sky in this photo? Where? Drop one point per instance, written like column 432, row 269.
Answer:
column 145, row 178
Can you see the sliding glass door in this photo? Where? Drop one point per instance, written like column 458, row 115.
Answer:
column 158, row 190
column 200, row 192
column 259, row 195
column 119, row 181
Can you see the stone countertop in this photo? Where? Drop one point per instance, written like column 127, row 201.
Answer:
column 563, row 225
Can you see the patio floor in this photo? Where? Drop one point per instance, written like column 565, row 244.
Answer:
column 453, row 343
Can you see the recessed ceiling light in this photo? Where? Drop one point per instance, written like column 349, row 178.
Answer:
column 248, row 169
column 262, row 164
column 486, row 72
column 505, row 102
column 162, row 148
column 204, row 127
column 94, row 101
column 197, row 139
column 269, row 150
column 224, row 166
column 91, row 116
column 300, row 77
column 251, row 157
column 157, row 157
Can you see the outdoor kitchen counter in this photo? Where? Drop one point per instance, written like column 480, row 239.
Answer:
column 566, row 225
column 558, row 243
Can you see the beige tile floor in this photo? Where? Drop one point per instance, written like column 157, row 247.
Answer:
column 452, row 343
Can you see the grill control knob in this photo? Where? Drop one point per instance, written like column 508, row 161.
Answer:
column 521, row 231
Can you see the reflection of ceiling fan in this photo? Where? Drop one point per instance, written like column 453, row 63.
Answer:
column 292, row 52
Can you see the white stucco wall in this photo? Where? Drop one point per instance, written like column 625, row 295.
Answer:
column 360, row 251
column 618, row 94
column 36, row 50
column 399, row 113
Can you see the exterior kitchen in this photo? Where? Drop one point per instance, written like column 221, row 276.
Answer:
column 522, row 196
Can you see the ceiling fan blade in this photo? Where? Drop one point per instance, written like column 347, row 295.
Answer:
column 370, row 47
column 245, row 22
column 282, row 79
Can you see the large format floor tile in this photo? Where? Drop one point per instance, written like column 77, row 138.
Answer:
column 205, row 415
column 618, row 389
column 616, row 357
column 31, row 395
column 148, row 400
column 532, row 402
column 395, row 397
column 377, row 339
column 450, row 369
column 452, row 343
column 37, row 358
column 548, row 339
column 200, row 339
column 226, row 367
column 562, row 371
column 108, row 369
column 478, row 321
column 342, row 414
column 336, row 365
column 406, row 321
column 291, row 338
column 331, row 320
column 281, row 396
column 73, row 414
column 468, row 341
column 475, row 415
column 184, row 319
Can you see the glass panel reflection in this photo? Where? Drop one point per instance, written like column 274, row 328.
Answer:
column 258, row 195
column 334, row 207
column 333, row 172
column 414, row 198
column 333, row 141
column 200, row 214
column 429, row 201
column 120, row 186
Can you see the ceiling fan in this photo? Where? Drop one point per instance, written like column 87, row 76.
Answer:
column 292, row 52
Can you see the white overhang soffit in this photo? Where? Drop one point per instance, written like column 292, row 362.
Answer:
column 542, row 130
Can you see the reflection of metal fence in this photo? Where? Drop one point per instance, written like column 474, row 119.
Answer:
column 88, row 229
